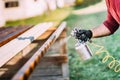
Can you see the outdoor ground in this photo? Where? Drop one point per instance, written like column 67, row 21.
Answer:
column 85, row 17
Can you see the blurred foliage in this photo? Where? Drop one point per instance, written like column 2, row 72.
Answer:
column 79, row 2
column 85, row 3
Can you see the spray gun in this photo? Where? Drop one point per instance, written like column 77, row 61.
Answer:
column 81, row 45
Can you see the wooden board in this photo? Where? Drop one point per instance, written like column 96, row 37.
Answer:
column 9, row 33
column 26, row 70
column 50, row 70
column 10, row 49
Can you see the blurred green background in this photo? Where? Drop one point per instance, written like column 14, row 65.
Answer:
column 92, row 69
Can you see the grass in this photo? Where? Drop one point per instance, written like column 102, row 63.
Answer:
column 92, row 69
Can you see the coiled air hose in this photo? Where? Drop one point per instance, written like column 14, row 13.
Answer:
column 113, row 64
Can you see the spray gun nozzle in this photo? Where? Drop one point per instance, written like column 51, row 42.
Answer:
column 74, row 32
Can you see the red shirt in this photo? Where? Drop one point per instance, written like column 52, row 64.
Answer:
column 113, row 18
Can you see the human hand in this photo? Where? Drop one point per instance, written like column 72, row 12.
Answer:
column 82, row 35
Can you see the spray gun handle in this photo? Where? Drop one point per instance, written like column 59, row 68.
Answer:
column 74, row 34
column 81, row 35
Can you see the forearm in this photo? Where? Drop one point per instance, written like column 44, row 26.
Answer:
column 100, row 31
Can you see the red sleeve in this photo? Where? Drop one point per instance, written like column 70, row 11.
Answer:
column 111, row 23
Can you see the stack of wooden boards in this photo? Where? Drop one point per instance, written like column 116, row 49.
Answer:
column 30, row 52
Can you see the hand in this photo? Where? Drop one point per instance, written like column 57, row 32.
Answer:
column 82, row 35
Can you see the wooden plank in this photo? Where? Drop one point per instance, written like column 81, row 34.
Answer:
column 56, row 58
column 25, row 71
column 14, row 64
column 49, row 78
column 47, row 72
column 50, row 31
column 47, row 66
column 53, row 62
column 16, row 45
column 65, row 70
column 47, row 33
column 44, row 69
column 10, row 33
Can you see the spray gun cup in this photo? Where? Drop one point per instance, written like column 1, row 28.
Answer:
column 83, row 51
